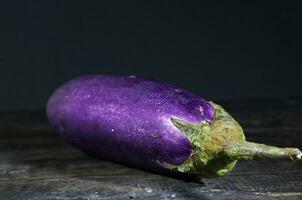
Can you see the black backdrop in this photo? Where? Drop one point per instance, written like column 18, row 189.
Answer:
column 219, row 50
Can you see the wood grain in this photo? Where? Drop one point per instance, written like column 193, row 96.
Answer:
column 36, row 164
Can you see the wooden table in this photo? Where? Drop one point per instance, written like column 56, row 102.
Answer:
column 36, row 164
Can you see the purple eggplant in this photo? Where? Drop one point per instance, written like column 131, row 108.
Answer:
column 152, row 125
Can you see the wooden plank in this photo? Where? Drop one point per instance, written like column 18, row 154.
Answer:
column 36, row 164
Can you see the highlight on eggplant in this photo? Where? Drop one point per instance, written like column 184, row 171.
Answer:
column 152, row 125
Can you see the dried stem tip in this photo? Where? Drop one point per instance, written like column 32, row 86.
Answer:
column 250, row 150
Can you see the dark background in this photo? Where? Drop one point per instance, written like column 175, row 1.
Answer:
column 223, row 51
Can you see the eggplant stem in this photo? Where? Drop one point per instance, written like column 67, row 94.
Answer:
column 250, row 150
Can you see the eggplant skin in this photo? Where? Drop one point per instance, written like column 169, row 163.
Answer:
column 127, row 119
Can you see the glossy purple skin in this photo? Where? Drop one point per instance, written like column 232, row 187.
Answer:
column 127, row 119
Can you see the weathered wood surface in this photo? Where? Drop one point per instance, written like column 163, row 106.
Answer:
column 36, row 164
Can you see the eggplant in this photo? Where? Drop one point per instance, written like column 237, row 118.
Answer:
column 152, row 125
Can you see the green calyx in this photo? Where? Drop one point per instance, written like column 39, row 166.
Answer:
column 220, row 143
